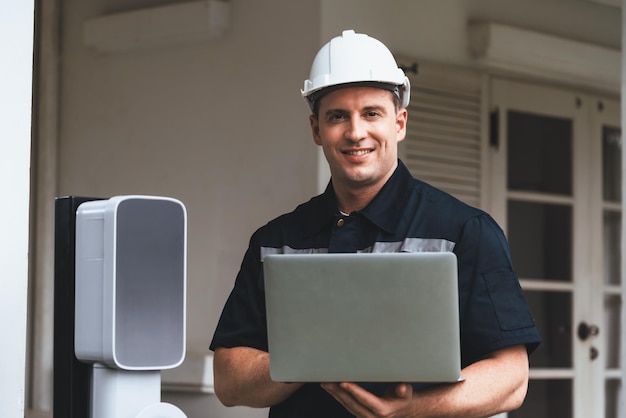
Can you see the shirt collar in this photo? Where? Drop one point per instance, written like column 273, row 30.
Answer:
column 322, row 212
column 384, row 210
column 387, row 206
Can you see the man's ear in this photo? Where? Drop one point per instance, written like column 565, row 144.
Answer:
column 401, row 119
column 315, row 129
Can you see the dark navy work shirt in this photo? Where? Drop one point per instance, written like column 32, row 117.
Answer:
column 407, row 215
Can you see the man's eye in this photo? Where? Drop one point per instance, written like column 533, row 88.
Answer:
column 336, row 117
column 371, row 114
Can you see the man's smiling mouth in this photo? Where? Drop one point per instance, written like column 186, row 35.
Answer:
column 358, row 152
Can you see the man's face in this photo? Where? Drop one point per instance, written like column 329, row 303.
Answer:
column 359, row 129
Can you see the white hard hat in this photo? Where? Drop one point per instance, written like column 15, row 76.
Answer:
column 355, row 58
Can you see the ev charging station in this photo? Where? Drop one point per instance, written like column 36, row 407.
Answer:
column 130, row 301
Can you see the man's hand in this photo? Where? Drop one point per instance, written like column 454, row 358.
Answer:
column 396, row 402
column 495, row 384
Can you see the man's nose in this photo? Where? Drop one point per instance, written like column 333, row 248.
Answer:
column 356, row 130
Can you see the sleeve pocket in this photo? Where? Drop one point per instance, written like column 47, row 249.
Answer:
column 508, row 300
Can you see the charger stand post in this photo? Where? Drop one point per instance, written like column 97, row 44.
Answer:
column 130, row 301
column 126, row 393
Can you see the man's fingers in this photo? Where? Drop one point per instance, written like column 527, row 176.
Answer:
column 404, row 390
column 347, row 399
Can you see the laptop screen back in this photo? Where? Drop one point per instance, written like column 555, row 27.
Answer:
column 381, row 317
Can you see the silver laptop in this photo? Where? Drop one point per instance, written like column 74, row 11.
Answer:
column 381, row 317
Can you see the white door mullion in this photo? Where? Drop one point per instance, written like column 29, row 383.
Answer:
column 585, row 387
column 498, row 155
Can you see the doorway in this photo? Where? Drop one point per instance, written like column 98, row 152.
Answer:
column 556, row 191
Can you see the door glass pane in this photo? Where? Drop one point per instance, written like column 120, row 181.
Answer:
column 612, row 247
column 540, row 238
column 612, row 391
column 546, row 399
column 612, row 164
column 539, row 153
column 612, row 323
column 553, row 315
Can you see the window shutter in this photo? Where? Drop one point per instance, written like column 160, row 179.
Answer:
column 444, row 131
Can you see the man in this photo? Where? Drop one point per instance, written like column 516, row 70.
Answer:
column 358, row 98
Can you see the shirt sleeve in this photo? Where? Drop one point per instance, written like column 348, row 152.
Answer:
column 493, row 310
column 243, row 320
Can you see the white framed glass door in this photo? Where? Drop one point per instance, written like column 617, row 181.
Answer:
column 553, row 187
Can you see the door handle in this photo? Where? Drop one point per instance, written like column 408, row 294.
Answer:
column 586, row 330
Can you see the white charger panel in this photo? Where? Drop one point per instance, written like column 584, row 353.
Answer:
column 131, row 275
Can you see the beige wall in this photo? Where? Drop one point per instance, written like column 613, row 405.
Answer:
column 220, row 124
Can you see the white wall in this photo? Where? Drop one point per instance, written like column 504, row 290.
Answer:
column 220, row 124
column 16, row 44
column 437, row 30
